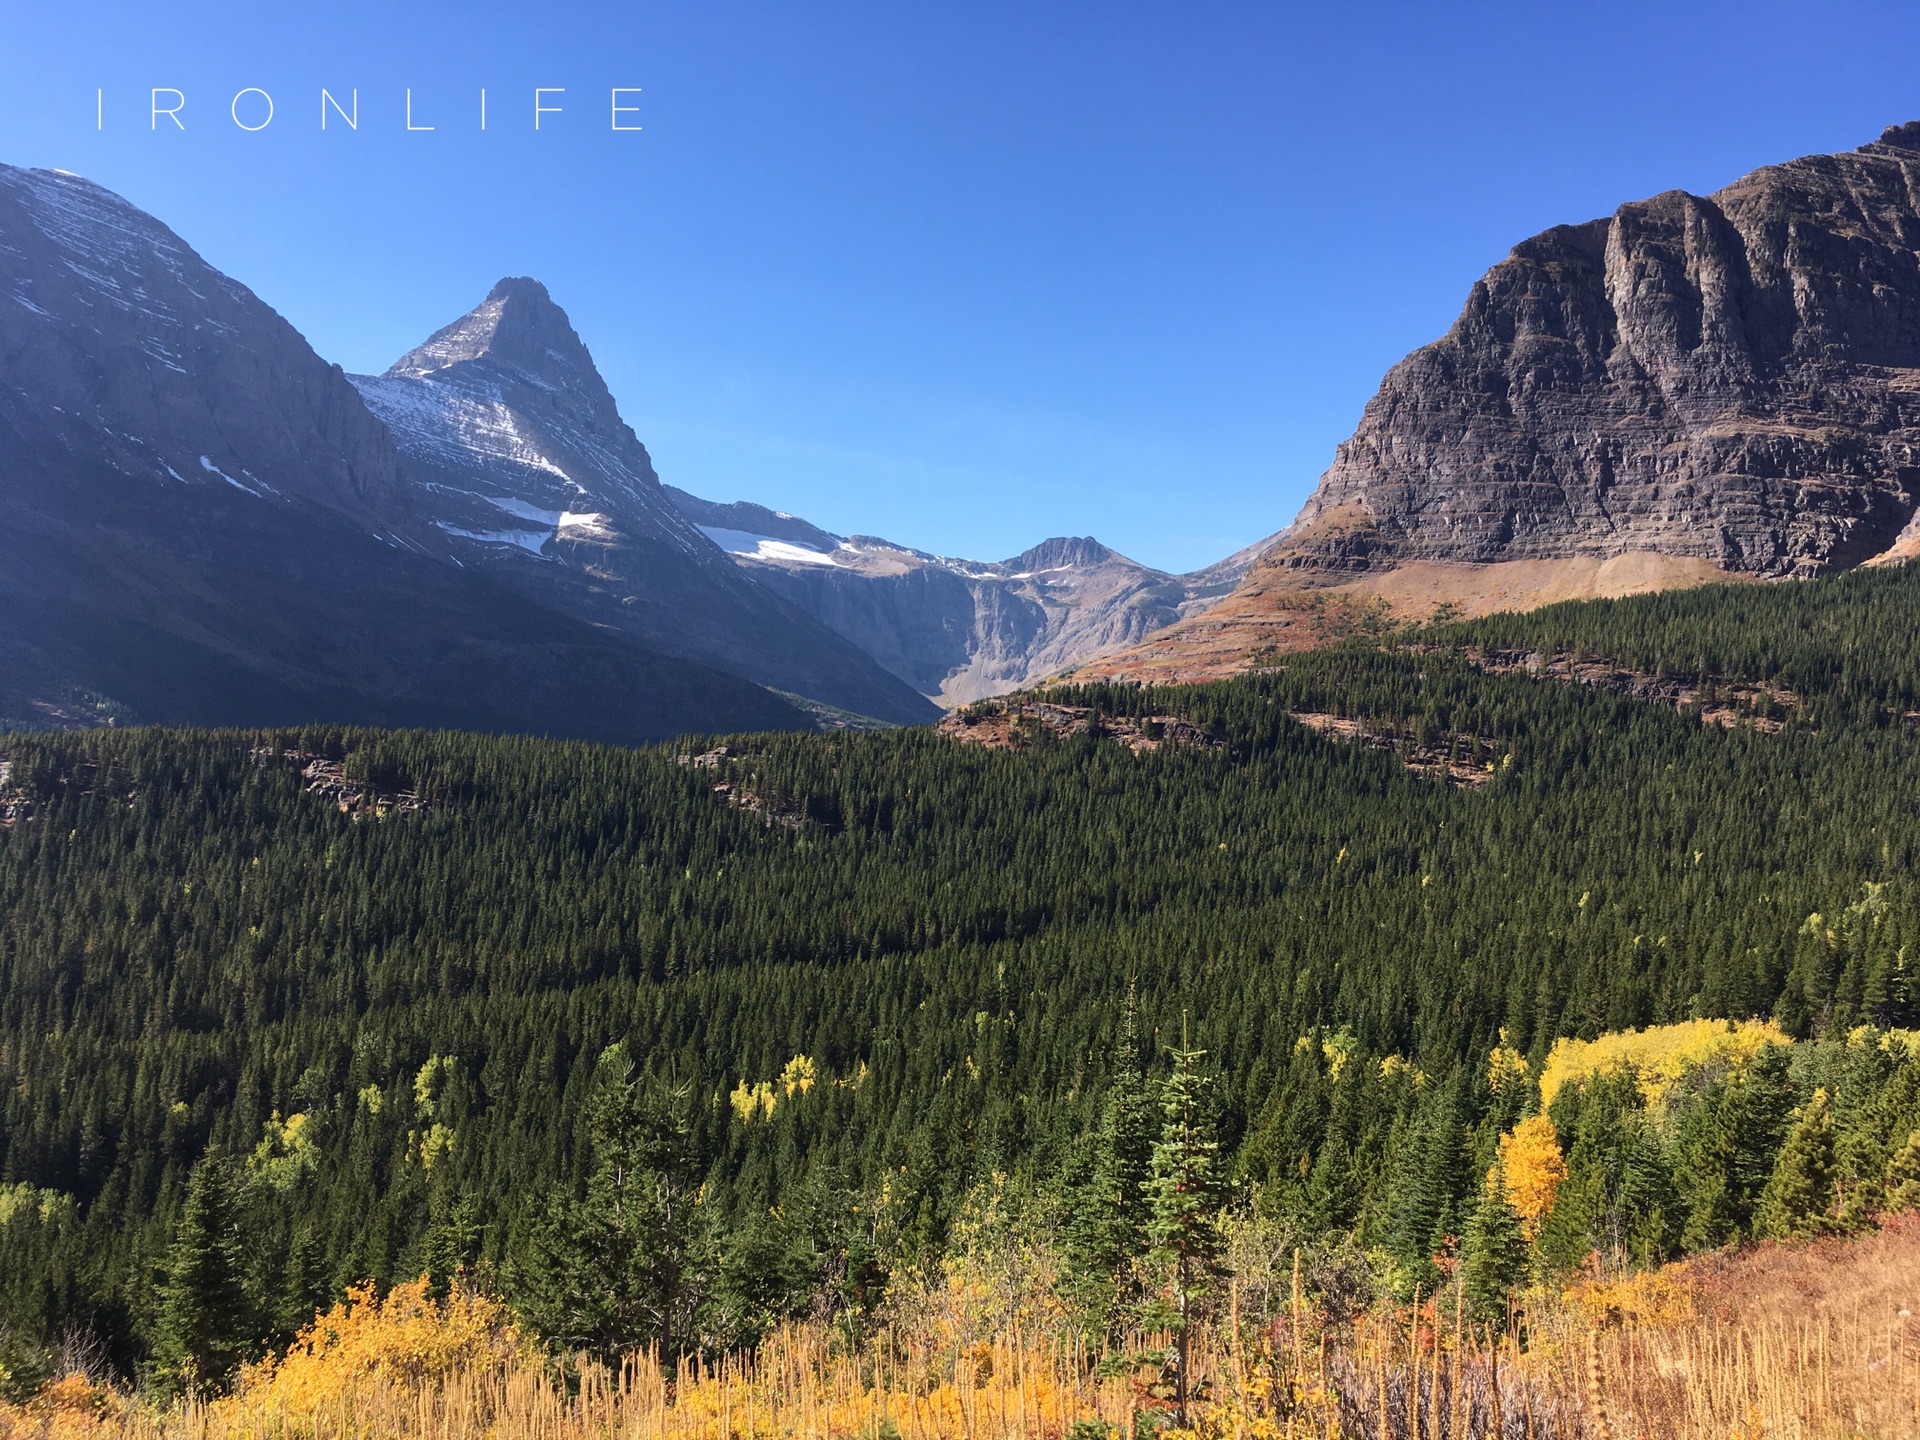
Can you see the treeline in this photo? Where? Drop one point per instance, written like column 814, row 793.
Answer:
column 1844, row 642
column 881, row 968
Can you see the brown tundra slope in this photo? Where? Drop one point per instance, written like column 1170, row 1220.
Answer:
column 1691, row 389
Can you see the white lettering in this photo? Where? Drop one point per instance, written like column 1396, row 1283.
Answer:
column 619, row 109
column 353, row 120
column 483, row 107
column 410, row 124
column 539, row 109
column 172, row 111
column 235, row 107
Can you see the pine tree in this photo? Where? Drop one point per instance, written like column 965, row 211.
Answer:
column 205, row 1319
column 454, row 1233
column 1107, row 1232
column 1798, row 1200
column 1185, row 1187
column 1433, row 1158
column 616, row 1268
column 1496, row 1252
column 1726, row 1139
column 1903, row 1175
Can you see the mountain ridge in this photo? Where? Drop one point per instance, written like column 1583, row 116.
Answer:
column 205, row 523
column 961, row 630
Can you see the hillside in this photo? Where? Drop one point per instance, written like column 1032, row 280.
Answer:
column 1375, row 862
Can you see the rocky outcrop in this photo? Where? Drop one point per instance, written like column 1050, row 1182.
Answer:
column 962, row 630
column 515, row 454
column 1733, row 378
column 1693, row 388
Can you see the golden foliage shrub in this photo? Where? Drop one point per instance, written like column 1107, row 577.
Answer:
column 1663, row 1297
column 69, row 1408
column 406, row 1336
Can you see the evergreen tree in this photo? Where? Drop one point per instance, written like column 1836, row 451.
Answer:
column 1798, row 1200
column 206, row 1319
column 1429, row 1182
column 616, row 1268
column 1496, row 1255
column 452, row 1245
column 761, row 1276
column 1726, row 1138
column 1107, row 1231
column 1185, row 1186
column 1903, row 1175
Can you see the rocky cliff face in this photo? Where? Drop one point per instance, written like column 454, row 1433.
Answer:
column 514, row 451
column 962, row 630
column 119, row 345
column 1693, row 388
column 1731, row 378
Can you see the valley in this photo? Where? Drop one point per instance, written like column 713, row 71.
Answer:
column 494, row 943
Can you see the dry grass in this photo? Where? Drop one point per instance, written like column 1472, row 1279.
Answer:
column 1811, row 1341
column 1793, row 1341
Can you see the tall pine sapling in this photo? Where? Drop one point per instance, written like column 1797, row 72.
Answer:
column 1798, row 1200
column 1496, row 1251
column 1107, row 1234
column 1185, row 1187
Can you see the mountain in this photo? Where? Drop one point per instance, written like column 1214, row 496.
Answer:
column 1693, row 388
column 203, row 523
column 961, row 630
column 514, row 454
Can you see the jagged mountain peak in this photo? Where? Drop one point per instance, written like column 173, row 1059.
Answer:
column 1900, row 137
column 518, row 327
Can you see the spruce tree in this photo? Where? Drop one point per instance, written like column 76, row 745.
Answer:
column 616, row 1267
column 1903, row 1175
column 1107, row 1233
column 1432, row 1156
column 206, row 1320
column 1798, row 1200
column 1496, row 1252
column 1185, row 1186
column 451, row 1248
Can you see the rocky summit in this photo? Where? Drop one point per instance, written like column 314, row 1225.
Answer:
column 1694, row 387
column 512, row 448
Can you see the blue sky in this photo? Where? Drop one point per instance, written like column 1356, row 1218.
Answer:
column 961, row 274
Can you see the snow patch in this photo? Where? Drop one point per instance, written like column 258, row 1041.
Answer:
column 521, row 510
column 213, row 469
column 446, row 425
column 586, row 525
column 764, row 547
column 530, row 541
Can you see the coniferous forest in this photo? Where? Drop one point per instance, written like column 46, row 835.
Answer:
column 282, row 1012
